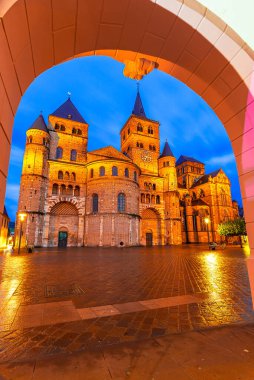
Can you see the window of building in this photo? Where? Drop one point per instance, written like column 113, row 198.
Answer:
column 135, row 177
column 59, row 152
column 223, row 198
column 77, row 191
column 150, row 130
column 79, row 132
column 57, row 126
column 148, row 200
column 73, row 176
column 30, row 139
column 73, row 155
column 63, row 190
column 74, row 131
column 158, row 200
column 153, row 199
column 143, row 198
column 202, row 193
column 91, row 173
column 141, row 145
column 55, row 189
column 62, row 127
column 154, row 186
column 139, row 128
column 60, row 174
column 121, row 202
column 114, row 171
column 129, row 131
column 67, row 176
column 102, row 171
column 126, row 172
column 95, row 203
column 70, row 190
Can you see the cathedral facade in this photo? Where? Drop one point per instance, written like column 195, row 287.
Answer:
column 136, row 196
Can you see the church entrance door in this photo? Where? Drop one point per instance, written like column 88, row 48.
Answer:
column 62, row 239
column 149, row 239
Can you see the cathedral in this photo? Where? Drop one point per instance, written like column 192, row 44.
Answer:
column 106, row 197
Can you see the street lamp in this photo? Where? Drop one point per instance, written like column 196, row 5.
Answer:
column 22, row 217
column 207, row 221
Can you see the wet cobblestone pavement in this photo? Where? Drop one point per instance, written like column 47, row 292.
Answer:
column 65, row 286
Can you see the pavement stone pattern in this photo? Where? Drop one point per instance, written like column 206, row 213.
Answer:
column 61, row 288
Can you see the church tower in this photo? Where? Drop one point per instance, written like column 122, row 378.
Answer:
column 140, row 139
column 167, row 170
column 34, row 179
column 69, row 134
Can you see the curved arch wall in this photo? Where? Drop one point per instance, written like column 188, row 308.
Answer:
column 183, row 37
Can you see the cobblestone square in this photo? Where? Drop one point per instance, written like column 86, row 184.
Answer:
column 101, row 297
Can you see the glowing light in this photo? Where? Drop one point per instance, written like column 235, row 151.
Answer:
column 22, row 216
column 207, row 220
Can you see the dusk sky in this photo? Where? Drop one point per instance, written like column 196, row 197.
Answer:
column 105, row 99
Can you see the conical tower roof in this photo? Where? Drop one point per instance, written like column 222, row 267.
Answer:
column 167, row 152
column 138, row 109
column 68, row 111
column 39, row 124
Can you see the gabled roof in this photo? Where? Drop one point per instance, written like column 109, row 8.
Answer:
column 39, row 124
column 182, row 159
column 138, row 109
column 198, row 202
column 108, row 152
column 167, row 152
column 68, row 111
column 205, row 177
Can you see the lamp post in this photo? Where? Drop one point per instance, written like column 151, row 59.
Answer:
column 207, row 221
column 22, row 217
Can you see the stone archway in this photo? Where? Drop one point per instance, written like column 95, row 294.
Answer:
column 184, row 38
column 150, row 227
column 63, row 218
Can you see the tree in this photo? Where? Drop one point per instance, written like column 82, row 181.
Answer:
column 235, row 227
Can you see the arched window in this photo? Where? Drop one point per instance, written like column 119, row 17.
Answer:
column 153, row 199
column 126, row 172
column 73, row 176
column 121, row 202
column 102, row 171
column 55, row 189
column 148, row 198
column 62, row 128
column 63, row 190
column 77, row 191
column 73, row 155
column 141, row 145
column 91, row 173
column 135, row 177
column 60, row 174
column 79, row 132
column 202, row 193
column 74, row 131
column 95, row 203
column 223, row 198
column 70, row 190
column 150, row 130
column 158, row 200
column 137, row 144
column 30, row 139
column 154, row 186
column 114, row 171
column 57, row 126
column 67, row 176
column 59, row 152
column 143, row 198
column 139, row 128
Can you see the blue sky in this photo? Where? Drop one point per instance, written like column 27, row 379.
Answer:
column 105, row 98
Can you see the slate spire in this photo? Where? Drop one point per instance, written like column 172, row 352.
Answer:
column 138, row 109
column 167, row 152
column 68, row 111
column 40, row 124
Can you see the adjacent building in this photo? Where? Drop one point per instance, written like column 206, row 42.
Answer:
column 107, row 197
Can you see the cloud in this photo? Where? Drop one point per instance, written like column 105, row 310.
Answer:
column 221, row 160
column 16, row 156
column 12, row 192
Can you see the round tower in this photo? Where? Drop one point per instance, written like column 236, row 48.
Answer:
column 33, row 185
column 167, row 170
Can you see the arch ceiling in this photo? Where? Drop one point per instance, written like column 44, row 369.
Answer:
column 186, row 40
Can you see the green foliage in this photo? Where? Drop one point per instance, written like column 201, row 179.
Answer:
column 235, row 227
